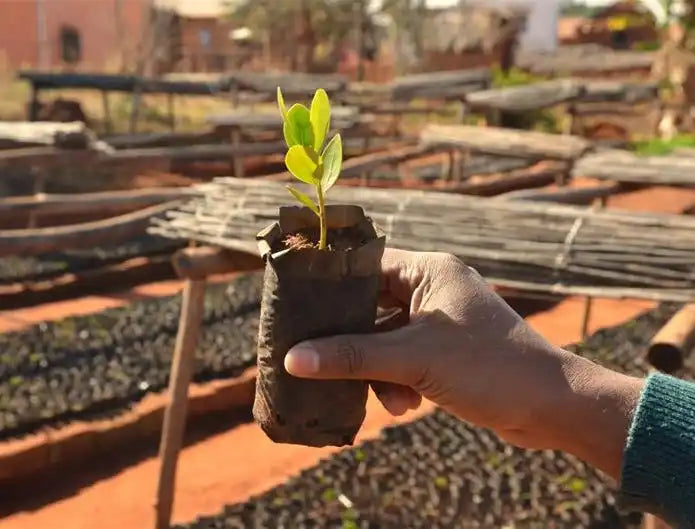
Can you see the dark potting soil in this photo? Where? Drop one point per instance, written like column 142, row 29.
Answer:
column 439, row 472
column 91, row 366
column 16, row 268
column 336, row 239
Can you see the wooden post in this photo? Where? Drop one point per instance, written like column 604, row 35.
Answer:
column 135, row 111
column 175, row 413
column 456, row 165
column 237, row 159
column 462, row 111
column 586, row 316
column 571, row 118
column 33, row 110
column 108, row 124
column 463, row 164
column 39, row 179
column 673, row 342
column 365, row 176
column 171, row 111
column 451, row 158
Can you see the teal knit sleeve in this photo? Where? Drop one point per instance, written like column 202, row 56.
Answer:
column 658, row 474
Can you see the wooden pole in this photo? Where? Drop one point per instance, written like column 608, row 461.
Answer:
column 135, row 111
column 33, row 109
column 39, row 178
column 175, row 413
column 108, row 124
column 673, row 341
column 586, row 316
column 172, row 111
column 237, row 160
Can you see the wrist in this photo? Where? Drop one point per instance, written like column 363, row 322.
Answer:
column 592, row 418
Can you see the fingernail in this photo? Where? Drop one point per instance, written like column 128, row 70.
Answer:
column 301, row 360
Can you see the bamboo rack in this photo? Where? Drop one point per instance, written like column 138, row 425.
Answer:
column 530, row 246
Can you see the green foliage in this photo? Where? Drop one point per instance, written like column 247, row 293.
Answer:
column 320, row 117
column 515, row 77
column 329, row 495
column 659, row 147
column 297, row 127
column 304, row 199
column 305, row 132
column 332, row 160
column 647, row 45
column 303, row 163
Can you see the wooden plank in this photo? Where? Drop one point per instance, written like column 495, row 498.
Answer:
column 101, row 232
column 527, row 97
column 619, row 91
column 446, row 84
column 294, row 85
column 159, row 139
column 47, row 133
column 342, row 117
column 624, row 166
column 578, row 195
column 505, row 142
column 120, row 83
column 81, row 203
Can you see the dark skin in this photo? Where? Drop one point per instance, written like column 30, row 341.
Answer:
column 466, row 350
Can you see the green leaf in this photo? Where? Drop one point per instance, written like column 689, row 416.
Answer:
column 332, row 161
column 320, row 116
column 303, row 164
column 299, row 127
column 288, row 133
column 281, row 104
column 304, row 199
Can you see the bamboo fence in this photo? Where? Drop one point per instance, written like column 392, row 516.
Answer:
column 523, row 245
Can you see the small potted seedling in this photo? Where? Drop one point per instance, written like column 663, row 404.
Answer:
column 321, row 279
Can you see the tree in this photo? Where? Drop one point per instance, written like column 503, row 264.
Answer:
column 296, row 29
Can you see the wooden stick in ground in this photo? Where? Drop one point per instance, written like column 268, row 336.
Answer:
column 108, row 124
column 237, row 159
column 175, row 413
column 586, row 316
column 171, row 111
column 674, row 341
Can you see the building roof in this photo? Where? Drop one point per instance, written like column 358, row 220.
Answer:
column 195, row 8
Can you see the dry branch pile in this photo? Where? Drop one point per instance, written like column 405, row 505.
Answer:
column 525, row 245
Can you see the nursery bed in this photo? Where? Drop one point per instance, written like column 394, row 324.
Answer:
column 439, row 472
column 90, row 366
column 31, row 268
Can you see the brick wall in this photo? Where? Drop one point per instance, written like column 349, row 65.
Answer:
column 94, row 20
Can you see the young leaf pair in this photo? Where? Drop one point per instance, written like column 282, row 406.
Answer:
column 305, row 130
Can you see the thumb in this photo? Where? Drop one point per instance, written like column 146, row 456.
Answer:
column 386, row 357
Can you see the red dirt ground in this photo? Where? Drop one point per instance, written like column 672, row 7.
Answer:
column 231, row 466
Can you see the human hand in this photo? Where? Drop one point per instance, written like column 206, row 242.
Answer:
column 466, row 350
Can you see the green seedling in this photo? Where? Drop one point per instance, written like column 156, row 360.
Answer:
column 305, row 130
